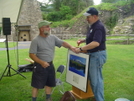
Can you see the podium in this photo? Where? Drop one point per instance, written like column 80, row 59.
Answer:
column 81, row 88
column 79, row 94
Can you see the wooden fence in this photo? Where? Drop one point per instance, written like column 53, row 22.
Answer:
column 124, row 37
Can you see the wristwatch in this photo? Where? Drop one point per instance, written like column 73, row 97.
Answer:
column 80, row 49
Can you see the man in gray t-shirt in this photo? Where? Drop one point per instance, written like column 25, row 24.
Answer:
column 41, row 51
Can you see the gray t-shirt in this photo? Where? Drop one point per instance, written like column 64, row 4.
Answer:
column 44, row 48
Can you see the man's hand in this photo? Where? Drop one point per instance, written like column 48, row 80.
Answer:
column 44, row 64
column 77, row 50
column 80, row 41
column 73, row 49
column 36, row 59
column 67, row 45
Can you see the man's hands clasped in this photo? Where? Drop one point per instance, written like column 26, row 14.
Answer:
column 75, row 49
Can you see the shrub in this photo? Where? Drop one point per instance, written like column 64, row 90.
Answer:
column 63, row 14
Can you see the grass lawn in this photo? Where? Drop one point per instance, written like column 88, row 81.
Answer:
column 118, row 74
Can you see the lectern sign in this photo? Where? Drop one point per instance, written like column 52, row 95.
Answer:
column 77, row 70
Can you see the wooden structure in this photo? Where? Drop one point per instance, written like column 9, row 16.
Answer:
column 24, row 32
column 79, row 94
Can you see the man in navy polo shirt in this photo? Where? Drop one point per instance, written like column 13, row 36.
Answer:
column 96, row 48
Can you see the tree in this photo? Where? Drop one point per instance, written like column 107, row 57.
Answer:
column 56, row 4
column 63, row 14
column 0, row 30
column 54, row 16
column 72, row 7
column 113, row 1
column 75, row 5
column 45, row 7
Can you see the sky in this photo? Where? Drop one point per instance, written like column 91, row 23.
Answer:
column 96, row 2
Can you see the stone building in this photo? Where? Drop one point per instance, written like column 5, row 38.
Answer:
column 26, row 26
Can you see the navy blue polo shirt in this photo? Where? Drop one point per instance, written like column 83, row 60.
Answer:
column 97, row 33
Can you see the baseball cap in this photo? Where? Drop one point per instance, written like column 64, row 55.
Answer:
column 43, row 23
column 91, row 11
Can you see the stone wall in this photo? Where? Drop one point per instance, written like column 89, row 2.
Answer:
column 30, row 14
column 124, row 23
column 78, row 30
column 125, row 26
column 124, row 14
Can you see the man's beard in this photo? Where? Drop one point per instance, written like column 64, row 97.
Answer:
column 47, row 32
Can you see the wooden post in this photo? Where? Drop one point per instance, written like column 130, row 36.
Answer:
column 128, row 38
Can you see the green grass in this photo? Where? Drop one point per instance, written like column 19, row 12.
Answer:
column 118, row 74
column 10, row 44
